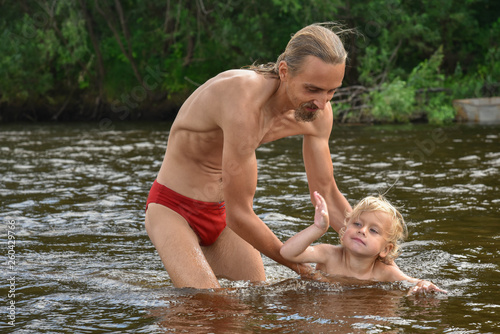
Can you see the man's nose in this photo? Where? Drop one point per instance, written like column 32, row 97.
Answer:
column 323, row 100
column 320, row 103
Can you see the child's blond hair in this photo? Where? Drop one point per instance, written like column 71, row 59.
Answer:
column 398, row 231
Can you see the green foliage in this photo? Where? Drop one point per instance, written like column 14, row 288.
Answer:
column 438, row 107
column 22, row 73
column 398, row 54
column 403, row 100
column 80, row 49
column 427, row 74
column 394, row 101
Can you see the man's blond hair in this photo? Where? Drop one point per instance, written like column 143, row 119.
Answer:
column 318, row 40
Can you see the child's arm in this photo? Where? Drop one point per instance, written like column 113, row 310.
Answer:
column 297, row 248
column 421, row 286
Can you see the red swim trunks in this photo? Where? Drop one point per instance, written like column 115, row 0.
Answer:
column 207, row 219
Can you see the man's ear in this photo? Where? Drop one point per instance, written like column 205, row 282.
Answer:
column 386, row 250
column 283, row 70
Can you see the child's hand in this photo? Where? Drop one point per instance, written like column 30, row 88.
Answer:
column 321, row 219
column 424, row 287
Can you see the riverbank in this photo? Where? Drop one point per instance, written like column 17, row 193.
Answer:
column 152, row 112
column 77, row 112
column 89, row 109
column 350, row 105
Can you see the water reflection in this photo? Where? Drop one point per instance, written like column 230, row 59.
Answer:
column 84, row 263
column 296, row 306
column 319, row 308
column 203, row 312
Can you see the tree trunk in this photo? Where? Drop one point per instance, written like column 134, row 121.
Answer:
column 101, row 73
column 127, row 53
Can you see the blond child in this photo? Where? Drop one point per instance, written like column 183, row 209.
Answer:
column 370, row 241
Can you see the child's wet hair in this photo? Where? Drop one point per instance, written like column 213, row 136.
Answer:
column 396, row 234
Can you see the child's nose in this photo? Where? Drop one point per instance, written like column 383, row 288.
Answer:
column 362, row 230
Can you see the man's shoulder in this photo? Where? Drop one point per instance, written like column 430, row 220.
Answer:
column 245, row 87
column 235, row 74
column 236, row 78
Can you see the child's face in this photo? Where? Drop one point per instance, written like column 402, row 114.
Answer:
column 367, row 234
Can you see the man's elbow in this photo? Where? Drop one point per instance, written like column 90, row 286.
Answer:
column 237, row 216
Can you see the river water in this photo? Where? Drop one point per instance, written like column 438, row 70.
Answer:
column 76, row 257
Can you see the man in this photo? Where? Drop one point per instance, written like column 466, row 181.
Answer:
column 209, row 174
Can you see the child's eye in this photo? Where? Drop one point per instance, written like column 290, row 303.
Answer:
column 373, row 230
column 356, row 224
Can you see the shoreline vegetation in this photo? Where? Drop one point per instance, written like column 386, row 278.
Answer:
column 89, row 60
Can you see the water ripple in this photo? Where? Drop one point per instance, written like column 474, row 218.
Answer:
column 85, row 263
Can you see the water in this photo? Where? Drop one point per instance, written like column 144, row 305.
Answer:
column 73, row 195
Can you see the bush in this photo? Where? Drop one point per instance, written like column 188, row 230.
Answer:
column 394, row 101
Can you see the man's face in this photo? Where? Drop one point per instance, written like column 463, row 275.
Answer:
column 312, row 88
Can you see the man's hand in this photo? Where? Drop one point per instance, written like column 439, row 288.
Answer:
column 315, row 275
column 321, row 219
column 303, row 269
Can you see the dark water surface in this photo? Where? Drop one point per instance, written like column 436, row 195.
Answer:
column 72, row 198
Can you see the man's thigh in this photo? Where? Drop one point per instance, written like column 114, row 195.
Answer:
column 179, row 249
column 234, row 258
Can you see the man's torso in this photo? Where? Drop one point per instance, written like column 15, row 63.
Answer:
column 193, row 161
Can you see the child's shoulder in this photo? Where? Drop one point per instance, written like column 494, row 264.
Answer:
column 332, row 258
column 333, row 253
column 388, row 272
column 333, row 249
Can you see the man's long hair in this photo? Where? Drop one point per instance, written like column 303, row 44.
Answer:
column 318, row 40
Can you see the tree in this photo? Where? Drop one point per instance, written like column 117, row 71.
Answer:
column 88, row 59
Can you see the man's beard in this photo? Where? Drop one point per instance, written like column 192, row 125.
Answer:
column 303, row 115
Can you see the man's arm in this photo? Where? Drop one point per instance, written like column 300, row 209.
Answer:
column 239, row 174
column 319, row 169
